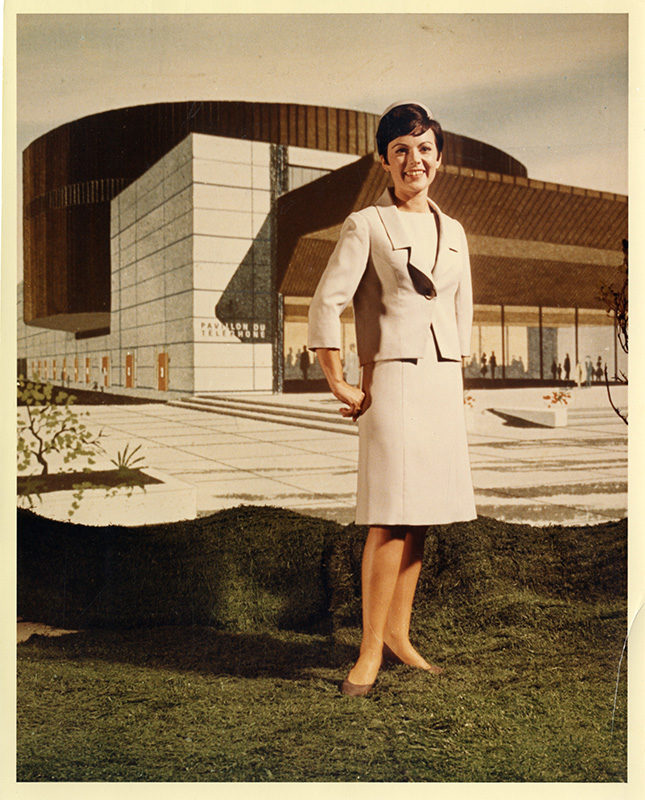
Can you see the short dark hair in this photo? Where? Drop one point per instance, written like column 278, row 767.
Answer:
column 403, row 120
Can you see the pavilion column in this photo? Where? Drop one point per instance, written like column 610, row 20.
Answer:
column 576, row 330
column 540, row 340
column 503, row 344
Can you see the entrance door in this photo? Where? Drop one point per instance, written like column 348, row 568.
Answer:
column 129, row 371
column 75, row 369
column 162, row 372
column 87, row 370
column 105, row 370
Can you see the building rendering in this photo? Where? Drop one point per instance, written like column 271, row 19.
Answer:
column 173, row 249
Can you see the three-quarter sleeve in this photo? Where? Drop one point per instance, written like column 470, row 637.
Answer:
column 338, row 284
column 464, row 302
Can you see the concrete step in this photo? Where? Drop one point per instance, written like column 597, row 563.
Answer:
column 313, row 416
column 275, row 402
column 277, row 408
column 322, row 420
column 576, row 417
column 585, row 416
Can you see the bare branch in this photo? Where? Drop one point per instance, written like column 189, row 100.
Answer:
column 611, row 402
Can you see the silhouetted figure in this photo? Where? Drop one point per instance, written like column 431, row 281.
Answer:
column 579, row 374
column 599, row 370
column 588, row 371
column 484, row 365
column 567, row 367
column 493, row 363
column 304, row 362
column 559, row 371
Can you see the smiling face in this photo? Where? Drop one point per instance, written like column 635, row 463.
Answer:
column 412, row 161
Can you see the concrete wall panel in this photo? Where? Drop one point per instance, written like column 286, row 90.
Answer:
column 179, row 280
column 154, row 311
column 263, row 355
column 214, row 354
column 150, row 244
column 225, row 198
column 179, row 306
column 222, row 149
column 261, row 154
column 179, row 204
column 178, row 228
column 223, row 249
column 178, row 180
column 222, row 223
column 223, row 173
column 149, row 267
column 261, row 178
column 263, row 379
column 224, row 379
column 213, row 277
column 151, row 289
column 179, row 330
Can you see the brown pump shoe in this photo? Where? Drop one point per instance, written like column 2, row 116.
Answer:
column 355, row 689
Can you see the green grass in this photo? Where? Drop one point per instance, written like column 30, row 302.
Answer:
column 529, row 624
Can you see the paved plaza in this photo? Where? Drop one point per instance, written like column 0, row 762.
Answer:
column 572, row 475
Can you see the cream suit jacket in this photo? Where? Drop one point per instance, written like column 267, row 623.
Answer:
column 399, row 301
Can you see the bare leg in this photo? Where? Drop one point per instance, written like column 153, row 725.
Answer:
column 379, row 573
column 397, row 627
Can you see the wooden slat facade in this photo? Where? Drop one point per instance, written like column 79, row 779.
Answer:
column 522, row 214
column 82, row 165
column 71, row 173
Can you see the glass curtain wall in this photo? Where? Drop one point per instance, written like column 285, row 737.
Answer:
column 598, row 346
column 559, row 353
column 486, row 350
column 299, row 363
column 508, row 343
column 544, row 343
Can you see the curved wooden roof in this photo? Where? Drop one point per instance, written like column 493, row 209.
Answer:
column 531, row 243
column 71, row 173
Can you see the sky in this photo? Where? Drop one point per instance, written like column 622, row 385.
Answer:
column 549, row 89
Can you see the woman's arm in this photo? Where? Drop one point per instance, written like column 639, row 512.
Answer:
column 331, row 366
column 464, row 302
column 338, row 284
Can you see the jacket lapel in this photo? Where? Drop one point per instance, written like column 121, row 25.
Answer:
column 442, row 244
column 400, row 239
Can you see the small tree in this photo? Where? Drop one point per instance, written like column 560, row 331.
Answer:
column 50, row 425
column 616, row 302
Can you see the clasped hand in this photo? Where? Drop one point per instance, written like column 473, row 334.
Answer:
column 353, row 398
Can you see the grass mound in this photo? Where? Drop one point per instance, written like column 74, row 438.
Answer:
column 509, row 572
column 528, row 623
column 253, row 568
column 239, row 569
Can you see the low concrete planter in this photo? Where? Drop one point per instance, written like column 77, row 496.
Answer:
column 169, row 501
column 549, row 417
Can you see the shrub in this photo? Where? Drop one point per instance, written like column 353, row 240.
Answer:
column 50, row 425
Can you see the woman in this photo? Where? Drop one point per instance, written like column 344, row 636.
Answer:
column 405, row 266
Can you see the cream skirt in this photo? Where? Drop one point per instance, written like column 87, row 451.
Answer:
column 413, row 465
